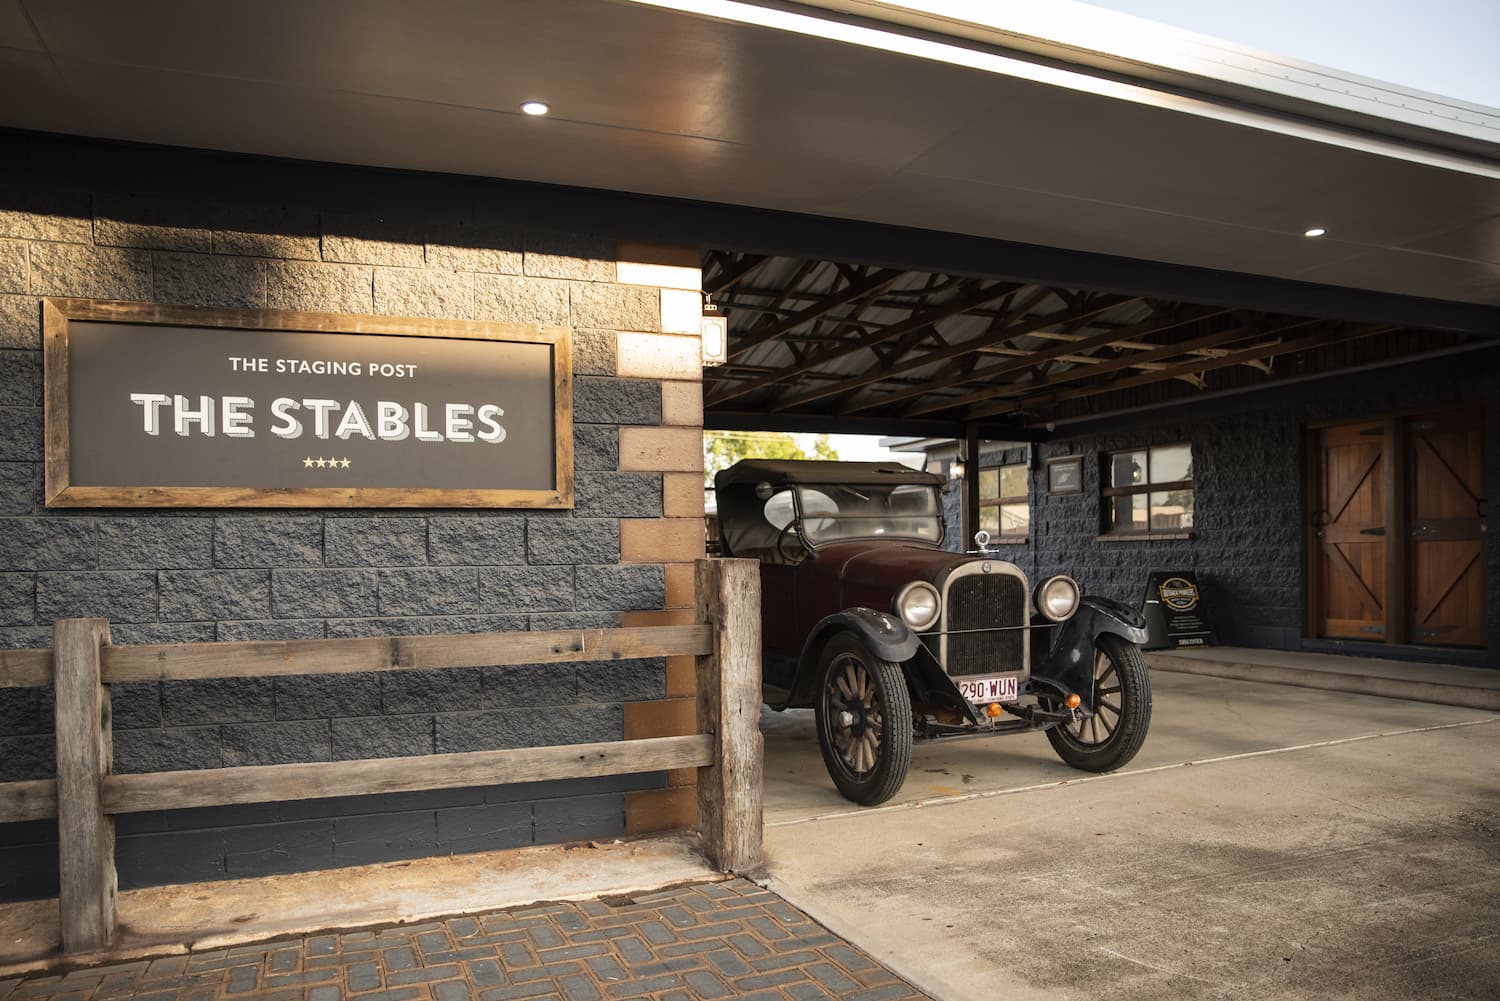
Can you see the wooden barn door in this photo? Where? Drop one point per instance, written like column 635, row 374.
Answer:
column 1349, row 533
column 1396, row 540
column 1445, row 527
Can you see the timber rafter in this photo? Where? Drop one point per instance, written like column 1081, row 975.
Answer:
column 856, row 344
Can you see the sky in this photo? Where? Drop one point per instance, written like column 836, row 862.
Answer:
column 1447, row 47
column 866, row 448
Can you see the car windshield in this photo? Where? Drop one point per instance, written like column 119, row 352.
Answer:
column 831, row 513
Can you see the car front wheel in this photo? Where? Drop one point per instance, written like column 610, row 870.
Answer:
column 1122, row 711
column 864, row 721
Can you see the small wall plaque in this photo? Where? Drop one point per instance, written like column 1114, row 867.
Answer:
column 1065, row 475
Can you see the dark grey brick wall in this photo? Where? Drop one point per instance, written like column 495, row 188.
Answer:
column 1247, row 543
column 418, row 247
column 231, row 842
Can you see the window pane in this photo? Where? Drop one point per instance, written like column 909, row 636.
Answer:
column 1172, row 463
column 1127, row 469
column 1013, row 481
column 832, row 512
column 989, row 520
column 1171, row 509
column 1015, row 519
column 989, row 484
column 912, row 499
column 1128, row 514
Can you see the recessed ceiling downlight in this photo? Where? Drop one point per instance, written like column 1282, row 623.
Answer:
column 1315, row 231
column 535, row 108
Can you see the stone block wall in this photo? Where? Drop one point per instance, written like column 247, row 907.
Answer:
column 1246, row 540
column 1247, row 543
column 621, row 556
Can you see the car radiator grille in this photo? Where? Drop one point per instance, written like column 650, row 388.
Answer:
column 983, row 601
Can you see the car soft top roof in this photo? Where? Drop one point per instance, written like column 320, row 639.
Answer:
column 782, row 472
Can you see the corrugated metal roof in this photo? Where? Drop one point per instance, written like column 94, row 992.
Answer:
column 832, row 345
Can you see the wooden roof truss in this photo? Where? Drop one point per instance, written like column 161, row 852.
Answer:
column 831, row 342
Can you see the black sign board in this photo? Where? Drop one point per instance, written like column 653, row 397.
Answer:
column 1065, row 475
column 171, row 406
column 1174, row 612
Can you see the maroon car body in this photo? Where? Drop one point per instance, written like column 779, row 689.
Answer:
column 890, row 638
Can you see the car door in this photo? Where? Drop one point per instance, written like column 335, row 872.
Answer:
column 781, row 635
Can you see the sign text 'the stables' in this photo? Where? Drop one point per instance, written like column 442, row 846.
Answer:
column 431, row 413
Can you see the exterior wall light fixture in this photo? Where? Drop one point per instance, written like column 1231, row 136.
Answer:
column 715, row 333
column 957, row 469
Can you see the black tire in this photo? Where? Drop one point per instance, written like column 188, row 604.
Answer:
column 1122, row 697
column 868, row 752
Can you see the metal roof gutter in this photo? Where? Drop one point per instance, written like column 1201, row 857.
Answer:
column 1083, row 48
column 1065, row 32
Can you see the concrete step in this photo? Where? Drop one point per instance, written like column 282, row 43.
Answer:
column 1474, row 688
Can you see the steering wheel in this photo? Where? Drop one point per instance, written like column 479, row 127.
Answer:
column 789, row 544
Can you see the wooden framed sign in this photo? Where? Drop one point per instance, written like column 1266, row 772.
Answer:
column 175, row 406
column 1065, row 475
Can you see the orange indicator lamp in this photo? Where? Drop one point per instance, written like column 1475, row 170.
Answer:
column 993, row 710
column 1073, row 701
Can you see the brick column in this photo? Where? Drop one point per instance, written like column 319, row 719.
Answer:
column 675, row 450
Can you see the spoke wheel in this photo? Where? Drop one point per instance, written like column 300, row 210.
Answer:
column 1121, row 696
column 864, row 721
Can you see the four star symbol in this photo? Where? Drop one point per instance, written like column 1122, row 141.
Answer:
column 321, row 463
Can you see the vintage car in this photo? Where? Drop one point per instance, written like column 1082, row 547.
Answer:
column 866, row 619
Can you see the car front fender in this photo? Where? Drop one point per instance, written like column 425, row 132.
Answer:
column 886, row 636
column 1069, row 667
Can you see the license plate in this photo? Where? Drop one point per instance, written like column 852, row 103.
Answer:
column 989, row 689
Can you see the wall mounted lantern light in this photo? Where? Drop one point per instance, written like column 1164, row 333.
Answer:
column 957, row 469
column 715, row 333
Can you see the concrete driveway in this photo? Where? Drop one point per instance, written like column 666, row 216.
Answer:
column 1268, row 842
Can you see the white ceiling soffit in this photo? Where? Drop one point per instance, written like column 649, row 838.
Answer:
column 786, row 108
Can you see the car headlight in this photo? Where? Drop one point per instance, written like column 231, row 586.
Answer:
column 918, row 604
column 1057, row 597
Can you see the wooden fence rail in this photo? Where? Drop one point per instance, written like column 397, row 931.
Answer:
column 86, row 796
column 25, row 668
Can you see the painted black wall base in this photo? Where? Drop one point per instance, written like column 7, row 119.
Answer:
column 263, row 839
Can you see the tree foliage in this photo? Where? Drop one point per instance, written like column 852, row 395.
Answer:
column 722, row 449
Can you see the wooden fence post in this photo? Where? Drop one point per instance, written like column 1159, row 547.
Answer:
column 85, row 833
column 729, row 792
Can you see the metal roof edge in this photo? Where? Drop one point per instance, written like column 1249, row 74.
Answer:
column 1161, row 57
column 738, row 420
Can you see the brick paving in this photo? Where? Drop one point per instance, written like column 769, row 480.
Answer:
column 697, row 943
